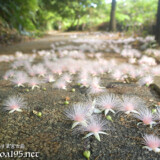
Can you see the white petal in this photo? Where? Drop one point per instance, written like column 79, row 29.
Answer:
column 11, row 111
column 75, row 124
column 51, row 80
column 35, row 86
column 84, row 123
column 64, row 88
column 97, row 136
column 101, row 87
column 97, row 110
column 146, row 147
column 128, row 112
column 18, row 110
column 86, row 136
column 20, row 85
column 157, row 150
column 106, row 112
column 134, row 111
column 152, row 123
column 94, row 103
column 139, row 123
column 102, row 132
column 112, row 110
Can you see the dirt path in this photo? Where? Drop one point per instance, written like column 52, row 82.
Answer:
column 38, row 44
column 45, row 42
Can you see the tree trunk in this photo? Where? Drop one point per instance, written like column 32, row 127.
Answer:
column 112, row 25
column 77, row 26
column 157, row 33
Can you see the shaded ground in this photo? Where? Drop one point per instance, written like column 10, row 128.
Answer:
column 45, row 42
column 51, row 134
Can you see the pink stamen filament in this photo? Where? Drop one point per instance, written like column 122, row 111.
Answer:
column 147, row 120
column 95, row 129
column 129, row 107
column 79, row 118
column 14, row 107
column 108, row 106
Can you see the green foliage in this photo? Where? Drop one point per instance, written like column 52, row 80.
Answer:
column 30, row 16
column 135, row 13
column 19, row 14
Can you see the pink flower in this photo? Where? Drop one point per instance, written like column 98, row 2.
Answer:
column 146, row 81
column 9, row 74
column 130, row 104
column 85, row 82
column 33, row 83
column 129, row 52
column 93, row 71
column 55, row 68
column 17, row 64
column 20, row 78
column 73, row 68
column 108, row 102
column 91, row 105
column 66, row 77
column 60, row 84
column 152, row 143
column 117, row 75
column 78, row 113
column 30, row 70
column 39, row 69
column 146, row 116
column 14, row 103
column 49, row 78
column 84, row 78
column 156, row 70
column 147, row 60
column 95, row 126
column 95, row 86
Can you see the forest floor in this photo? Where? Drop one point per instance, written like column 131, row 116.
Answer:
column 40, row 43
column 51, row 134
column 44, row 43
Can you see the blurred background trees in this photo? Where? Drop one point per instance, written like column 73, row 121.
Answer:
column 158, row 24
column 35, row 16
